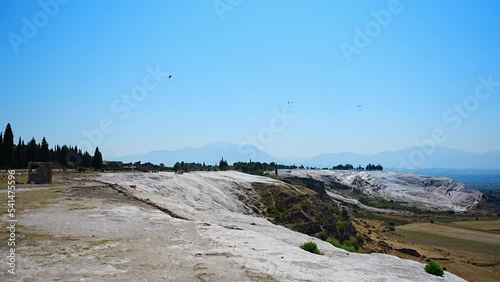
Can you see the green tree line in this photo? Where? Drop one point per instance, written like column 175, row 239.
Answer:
column 17, row 156
column 350, row 166
column 246, row 167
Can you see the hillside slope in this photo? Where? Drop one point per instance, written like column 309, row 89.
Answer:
column 426, row 192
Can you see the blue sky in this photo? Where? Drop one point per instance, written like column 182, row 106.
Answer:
column 234, row 68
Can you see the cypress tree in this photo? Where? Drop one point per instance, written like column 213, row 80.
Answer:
column 63, row 156
column 18, row 154
column 87, row 160
column 32, row 151
column 7, row 147
column 97, row 159
column 23, row 159
column 44, row 154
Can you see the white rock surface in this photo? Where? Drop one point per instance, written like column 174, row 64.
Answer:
column 427, row 192
column 233, row 231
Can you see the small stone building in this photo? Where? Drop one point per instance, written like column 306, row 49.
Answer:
column 39, row 172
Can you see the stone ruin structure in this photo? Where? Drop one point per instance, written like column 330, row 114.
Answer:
column 39, row 172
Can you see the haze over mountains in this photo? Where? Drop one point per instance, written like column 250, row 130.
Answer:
column 405, row 159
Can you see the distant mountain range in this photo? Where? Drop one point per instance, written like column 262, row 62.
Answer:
column 403, row 160
column 210, row 154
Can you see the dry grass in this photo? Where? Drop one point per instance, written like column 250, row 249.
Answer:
column 471, row 254
column 453, row 232
column 490, row 226
column 448, row 243
column 20, row 176
column 471, row 272
column 32, row 199
column 469, row 249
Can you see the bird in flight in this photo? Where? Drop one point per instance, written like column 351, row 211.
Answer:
column 359, row 107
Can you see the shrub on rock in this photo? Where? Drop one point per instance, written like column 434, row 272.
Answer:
column 434, row 268
column 310, row 247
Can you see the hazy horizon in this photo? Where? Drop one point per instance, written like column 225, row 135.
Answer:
column 291, row 78
column 297, row 156
column 408, row 159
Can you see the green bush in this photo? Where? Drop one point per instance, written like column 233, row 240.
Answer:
column 348, row 246
column 333, row 241
column 366, row 202
column 323, row 235
column 360, row 239
column 383, row 204
column 334, row 209
column 434, row 268
column 310, row 247
column 415, row 209
column 341, row 227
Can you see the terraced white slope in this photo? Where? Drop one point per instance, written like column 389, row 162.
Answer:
column 428, row 192
column 216, row 201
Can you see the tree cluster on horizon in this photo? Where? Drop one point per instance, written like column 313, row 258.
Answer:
column 223, row 164
column 18, row 156
column 343, row 167
column 186, row 167
column 369, row 167
column 259, row 168
column 374, row 167
column 250, row 167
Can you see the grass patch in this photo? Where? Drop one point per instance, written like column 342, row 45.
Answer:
column 305, row 205
column 310, row 247
column 32, row 199
column 333, row 241
column 277, row 213
column 387, row 219
column 348, row 246
column 334, row 210
column 434, row 268
column 341, row 227
column 381, row 203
